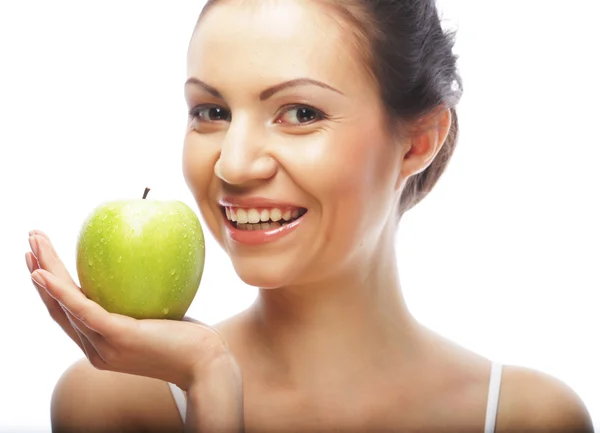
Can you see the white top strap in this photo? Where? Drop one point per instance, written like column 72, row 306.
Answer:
column 180, row 399
column 493, row 397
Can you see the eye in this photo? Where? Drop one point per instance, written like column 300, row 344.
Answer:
column 210, row 113
column 300, row 115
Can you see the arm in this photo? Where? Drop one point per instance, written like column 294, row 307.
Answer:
column 536, row 402
column 86, row 399
column 89, row 400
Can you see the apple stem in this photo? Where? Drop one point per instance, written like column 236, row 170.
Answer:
column 146, row 191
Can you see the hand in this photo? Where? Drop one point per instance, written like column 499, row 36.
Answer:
column 179, row 352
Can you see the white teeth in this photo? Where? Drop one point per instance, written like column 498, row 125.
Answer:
column 262, row 226
column 265, row 215
column 242, row 216
column 253, row 216
column 275, row 214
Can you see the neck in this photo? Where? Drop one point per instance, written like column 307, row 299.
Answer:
column 333, row 330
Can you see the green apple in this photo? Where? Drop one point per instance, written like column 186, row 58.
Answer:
column 141, row 258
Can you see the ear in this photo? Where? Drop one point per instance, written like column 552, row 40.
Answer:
column 427, row 137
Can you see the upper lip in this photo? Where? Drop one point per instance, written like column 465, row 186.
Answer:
column 255, row 202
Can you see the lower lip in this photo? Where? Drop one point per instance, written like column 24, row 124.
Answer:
column 257, row 237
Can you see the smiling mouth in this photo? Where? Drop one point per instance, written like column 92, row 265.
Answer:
column 261, row 218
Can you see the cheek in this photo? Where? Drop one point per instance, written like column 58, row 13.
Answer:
column 351, row 173
column 351, row 184
column 358, row 199
column 198, row 167
column 351, row 176
column 198, row 171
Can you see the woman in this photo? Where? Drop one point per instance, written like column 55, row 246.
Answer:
column 314, row 125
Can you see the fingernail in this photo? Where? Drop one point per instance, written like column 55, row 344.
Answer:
column 38, row 278
column 32, row 232
column 34, row 246
column 29, row 262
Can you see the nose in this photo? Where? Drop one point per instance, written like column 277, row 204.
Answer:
column 244, row 157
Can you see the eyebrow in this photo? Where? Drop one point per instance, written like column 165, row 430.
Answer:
column 267, row 93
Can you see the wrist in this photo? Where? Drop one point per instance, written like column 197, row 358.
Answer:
column 220, row 364
column 215, row 398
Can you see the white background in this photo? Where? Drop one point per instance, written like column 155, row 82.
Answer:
column 502, row 257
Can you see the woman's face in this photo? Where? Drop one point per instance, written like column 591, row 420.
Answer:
column 286, row 135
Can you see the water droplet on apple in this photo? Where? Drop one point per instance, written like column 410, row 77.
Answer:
column 185, row 235
column 173, row 271
column 165, row 311
column 103, row 240
column 91, row 263
column 189, row 253
column 120, row 259
column 103, row 217
column 176, row 277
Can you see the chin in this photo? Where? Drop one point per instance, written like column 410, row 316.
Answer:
column 260, row 273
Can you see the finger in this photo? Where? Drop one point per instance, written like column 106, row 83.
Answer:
column 85, row 333
column 40, row 233
column 48, row 258
column 85, row 310
column 80, row 337
column 31, row 262
column 54, row 308
column 88, row 347
column 80, row 328
column 79, row 333
column 90, row 341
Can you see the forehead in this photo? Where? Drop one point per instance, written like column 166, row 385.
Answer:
column 274, row 40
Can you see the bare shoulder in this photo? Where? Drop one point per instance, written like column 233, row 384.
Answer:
column 532, row 401
column 91, row 400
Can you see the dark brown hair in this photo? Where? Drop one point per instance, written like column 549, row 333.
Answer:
column 410, row 58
